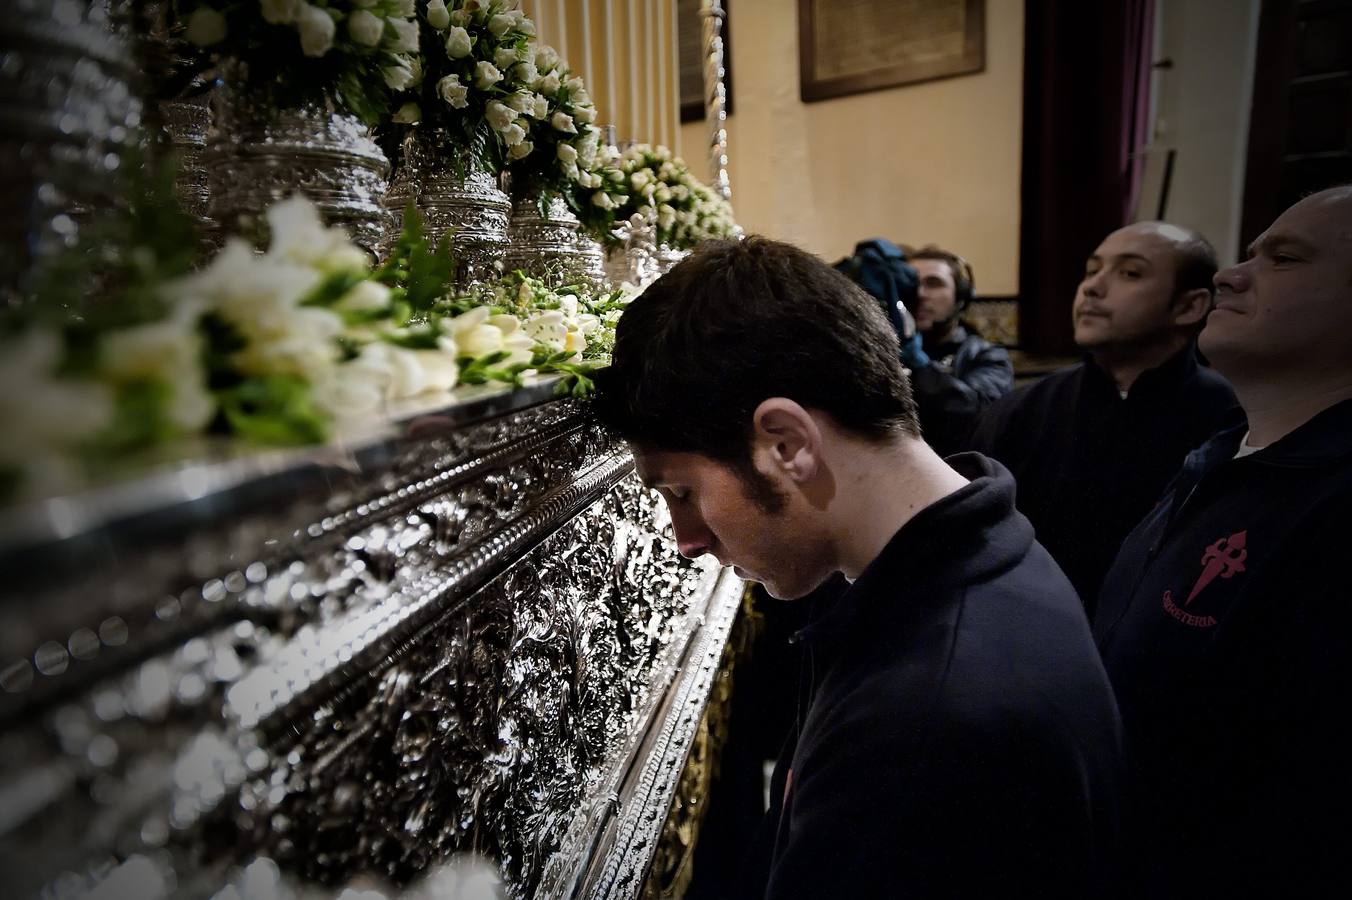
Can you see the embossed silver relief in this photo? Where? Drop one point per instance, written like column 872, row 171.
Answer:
column 542, row 243
column 457, row 193
column 258, row 153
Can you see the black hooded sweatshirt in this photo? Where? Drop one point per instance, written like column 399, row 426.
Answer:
column 1226, row 627
column 959, row 736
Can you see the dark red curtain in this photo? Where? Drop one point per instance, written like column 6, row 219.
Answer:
column 1085, row 117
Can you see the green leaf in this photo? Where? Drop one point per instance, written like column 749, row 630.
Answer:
column 273, row 409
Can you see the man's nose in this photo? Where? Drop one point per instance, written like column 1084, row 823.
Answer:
column 693, row 538
column 1234, row 279
column 1093, row 284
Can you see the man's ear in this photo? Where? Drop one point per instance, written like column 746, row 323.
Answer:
column 786, row 438
column 1191, row 307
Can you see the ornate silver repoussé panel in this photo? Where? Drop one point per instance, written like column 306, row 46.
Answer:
column 471, row 632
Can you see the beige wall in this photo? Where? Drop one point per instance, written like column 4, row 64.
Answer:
column 934, row 162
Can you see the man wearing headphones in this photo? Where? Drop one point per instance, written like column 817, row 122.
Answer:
column 955, row 373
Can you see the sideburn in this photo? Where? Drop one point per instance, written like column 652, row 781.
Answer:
column 758, row 488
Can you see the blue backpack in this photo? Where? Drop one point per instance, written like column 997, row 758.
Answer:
column 880, row 267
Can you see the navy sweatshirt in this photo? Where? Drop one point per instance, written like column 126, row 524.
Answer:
column 1226, row 627
column 960, row 737
column 1089, row 463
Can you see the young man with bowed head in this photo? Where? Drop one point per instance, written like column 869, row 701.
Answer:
column 1093, row 445
column 958, row 736
column 1226, row 620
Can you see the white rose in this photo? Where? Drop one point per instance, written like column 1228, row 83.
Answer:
column 539, row 107
column 501, row 24
column 406, row 8
column 666, row 217
column 585, row 114
column 365, row 27
column 415, row 67
column 546, row 58
column 567, row 154
column 405, row 35
column 504, row 58
column 453, row 92
column 397, row 77
column 602, row 199
column 575, row 86
column 512, row 135
column 316, row 31
column 639, row 180
column 663, row 193
column 461, row 18
column 522, row 101
column 486, row 75
column 281, row 12
column 500, row 116
column 437, row 16
column 206, row 26
column 525, row 73
column 526, row 27
column 563, row 122
column 458, row 43
column 520, row 149
column 549, row 85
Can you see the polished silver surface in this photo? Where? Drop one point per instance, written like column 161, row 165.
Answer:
column 459, row 195
column 67, row 115
column 591, row 262
column 467, row 630
column 259, row 153
column 186, row 123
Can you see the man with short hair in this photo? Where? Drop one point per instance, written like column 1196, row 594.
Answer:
column 955, row 373
column 958, row 736
column 1225, row 621
column 1092, row 446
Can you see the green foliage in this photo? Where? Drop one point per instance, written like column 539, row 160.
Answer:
column 141, row 418
column 417, row 273
column 273, row 409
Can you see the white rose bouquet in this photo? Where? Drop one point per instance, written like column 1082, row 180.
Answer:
column 480, row 73
column 363, row 54
column 665, row 195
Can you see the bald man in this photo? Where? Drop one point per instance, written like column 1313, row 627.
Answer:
column 1226, row 622
column 1092, row 446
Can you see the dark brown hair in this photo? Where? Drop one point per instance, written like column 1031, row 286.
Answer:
column 739, row 322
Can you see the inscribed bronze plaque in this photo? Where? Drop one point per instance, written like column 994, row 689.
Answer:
column 849, row 46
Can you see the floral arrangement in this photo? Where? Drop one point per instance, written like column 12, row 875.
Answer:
column 362, row 53
column 480, row 70
column 275, row 347
column 665, row 195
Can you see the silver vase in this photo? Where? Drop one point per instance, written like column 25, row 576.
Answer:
column 459, row 193
column 67, row 114
column 542, row 238
column 403, row 190
column 258, row 154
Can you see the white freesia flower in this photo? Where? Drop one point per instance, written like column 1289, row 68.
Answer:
column 405, row 38
column 367, row 296
column 486, row 75
column 500, row 116
column 169, row 351
column 408, row 114
column 206, row 26
column 414, row 62
column 549, row 85
column 316, row 31
column 357, row 389
column 282, row 12
column 397, row 77
column 501, row 24
column 42, row 413
column 300, row 236
column 506, row 323
column 519, row 150
column 365, row 27
column 458, row 43
column 513, row 135
column 563, row 122
column 549, row 328
column 437, row 16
